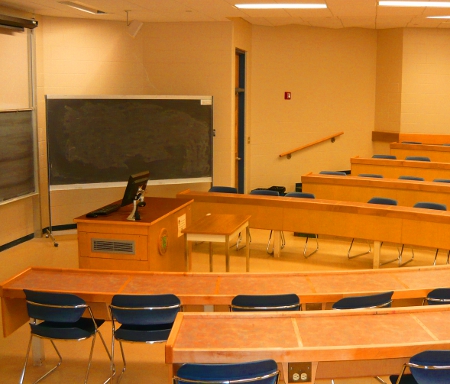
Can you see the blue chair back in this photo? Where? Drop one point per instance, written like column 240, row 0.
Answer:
column 302, row 195
column 54, row 307
column 417, row 158
column 223, row 189
column 375, row 175
column 265, row 192
column 442, row 180
column 415, row 178
column 260, row 372
column 377, row 300
column 438, row 296
column 382, row 200
column 427, row 359
column 389, row 157
column 258, row 303
column 430, row 205
column 145, row 309
column 335, row 173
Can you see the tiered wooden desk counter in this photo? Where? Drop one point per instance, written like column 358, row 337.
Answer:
column 336, row 343
column 436, row 153
column 154, row 243
column 392, row 169
column 98, row 287
column 396, row 224
column 354, row 188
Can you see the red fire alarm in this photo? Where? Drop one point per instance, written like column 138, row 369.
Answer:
column 287, row 95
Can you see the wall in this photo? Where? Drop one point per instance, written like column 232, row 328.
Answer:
column 426, row 81
column 331, row 75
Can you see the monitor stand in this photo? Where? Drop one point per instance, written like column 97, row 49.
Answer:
column 138, row 202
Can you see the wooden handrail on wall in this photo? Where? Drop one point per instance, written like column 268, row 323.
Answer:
column 332, row 137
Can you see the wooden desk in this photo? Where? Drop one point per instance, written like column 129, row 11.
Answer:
column 395, row 224
column 436, row 153
column 154, row 243
column 392, row 169
column 337, row 343
column 218, row 229
column 354, row 188
column 98, row 287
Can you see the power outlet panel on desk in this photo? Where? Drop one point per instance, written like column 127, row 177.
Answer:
column 299, row 372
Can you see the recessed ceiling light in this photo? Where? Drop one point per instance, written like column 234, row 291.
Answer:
column 434, row 4
column 282, row 6
column 82, row 7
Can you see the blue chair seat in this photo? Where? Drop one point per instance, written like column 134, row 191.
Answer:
column 262, row 372
column 406, row 379
column 144, row 333
column 81, row 329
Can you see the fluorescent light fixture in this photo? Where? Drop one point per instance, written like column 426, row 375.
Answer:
column 434, row 4
column 82, row 7
column 282, row 6
column 438, row 17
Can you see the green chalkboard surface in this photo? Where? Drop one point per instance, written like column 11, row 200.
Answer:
column 101, row 139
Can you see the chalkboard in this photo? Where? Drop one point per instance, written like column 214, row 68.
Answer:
column 102, row 139
column 17, row 154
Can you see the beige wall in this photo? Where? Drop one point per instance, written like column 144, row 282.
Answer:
column 334, row 77
column 331, row 74
column 426, row 81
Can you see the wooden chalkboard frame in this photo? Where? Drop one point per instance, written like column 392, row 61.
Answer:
column 171, row 136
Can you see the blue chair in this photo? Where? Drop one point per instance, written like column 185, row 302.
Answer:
column 333, row 173
column 378, row 300
column 306, row 195
column 141, row 319
column 223, row 189
column 373, row 200
column 58, row 316
column 388, row 157
column 438, row 296
column 415, row 178
column 374, row 175
column 441, row 180
column 436, row 206
column 269, row 192
column 264, row 303
column 417, row 158
column 427, row 367
column 260, row 372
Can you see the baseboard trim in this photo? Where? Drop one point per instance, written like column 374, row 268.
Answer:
column 11, row 244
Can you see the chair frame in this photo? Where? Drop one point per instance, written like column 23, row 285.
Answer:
column 418, row 366
column 114, row 321
column 34, row 321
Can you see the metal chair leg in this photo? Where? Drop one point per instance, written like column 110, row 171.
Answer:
column 283, row 243
column 400, row 263
column 436, row 255
column 306, row 244
column 22, row 376
column 359, row 254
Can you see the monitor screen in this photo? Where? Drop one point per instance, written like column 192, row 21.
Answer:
column 135, row 182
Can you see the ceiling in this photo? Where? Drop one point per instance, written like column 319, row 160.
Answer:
column 339, row 13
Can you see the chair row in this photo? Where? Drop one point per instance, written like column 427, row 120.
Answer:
column 149, row 319
column 374, row 200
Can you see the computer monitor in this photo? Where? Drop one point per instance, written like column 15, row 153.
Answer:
column 135, row 182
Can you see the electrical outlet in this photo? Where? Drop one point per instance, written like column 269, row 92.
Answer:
column 299, row 372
